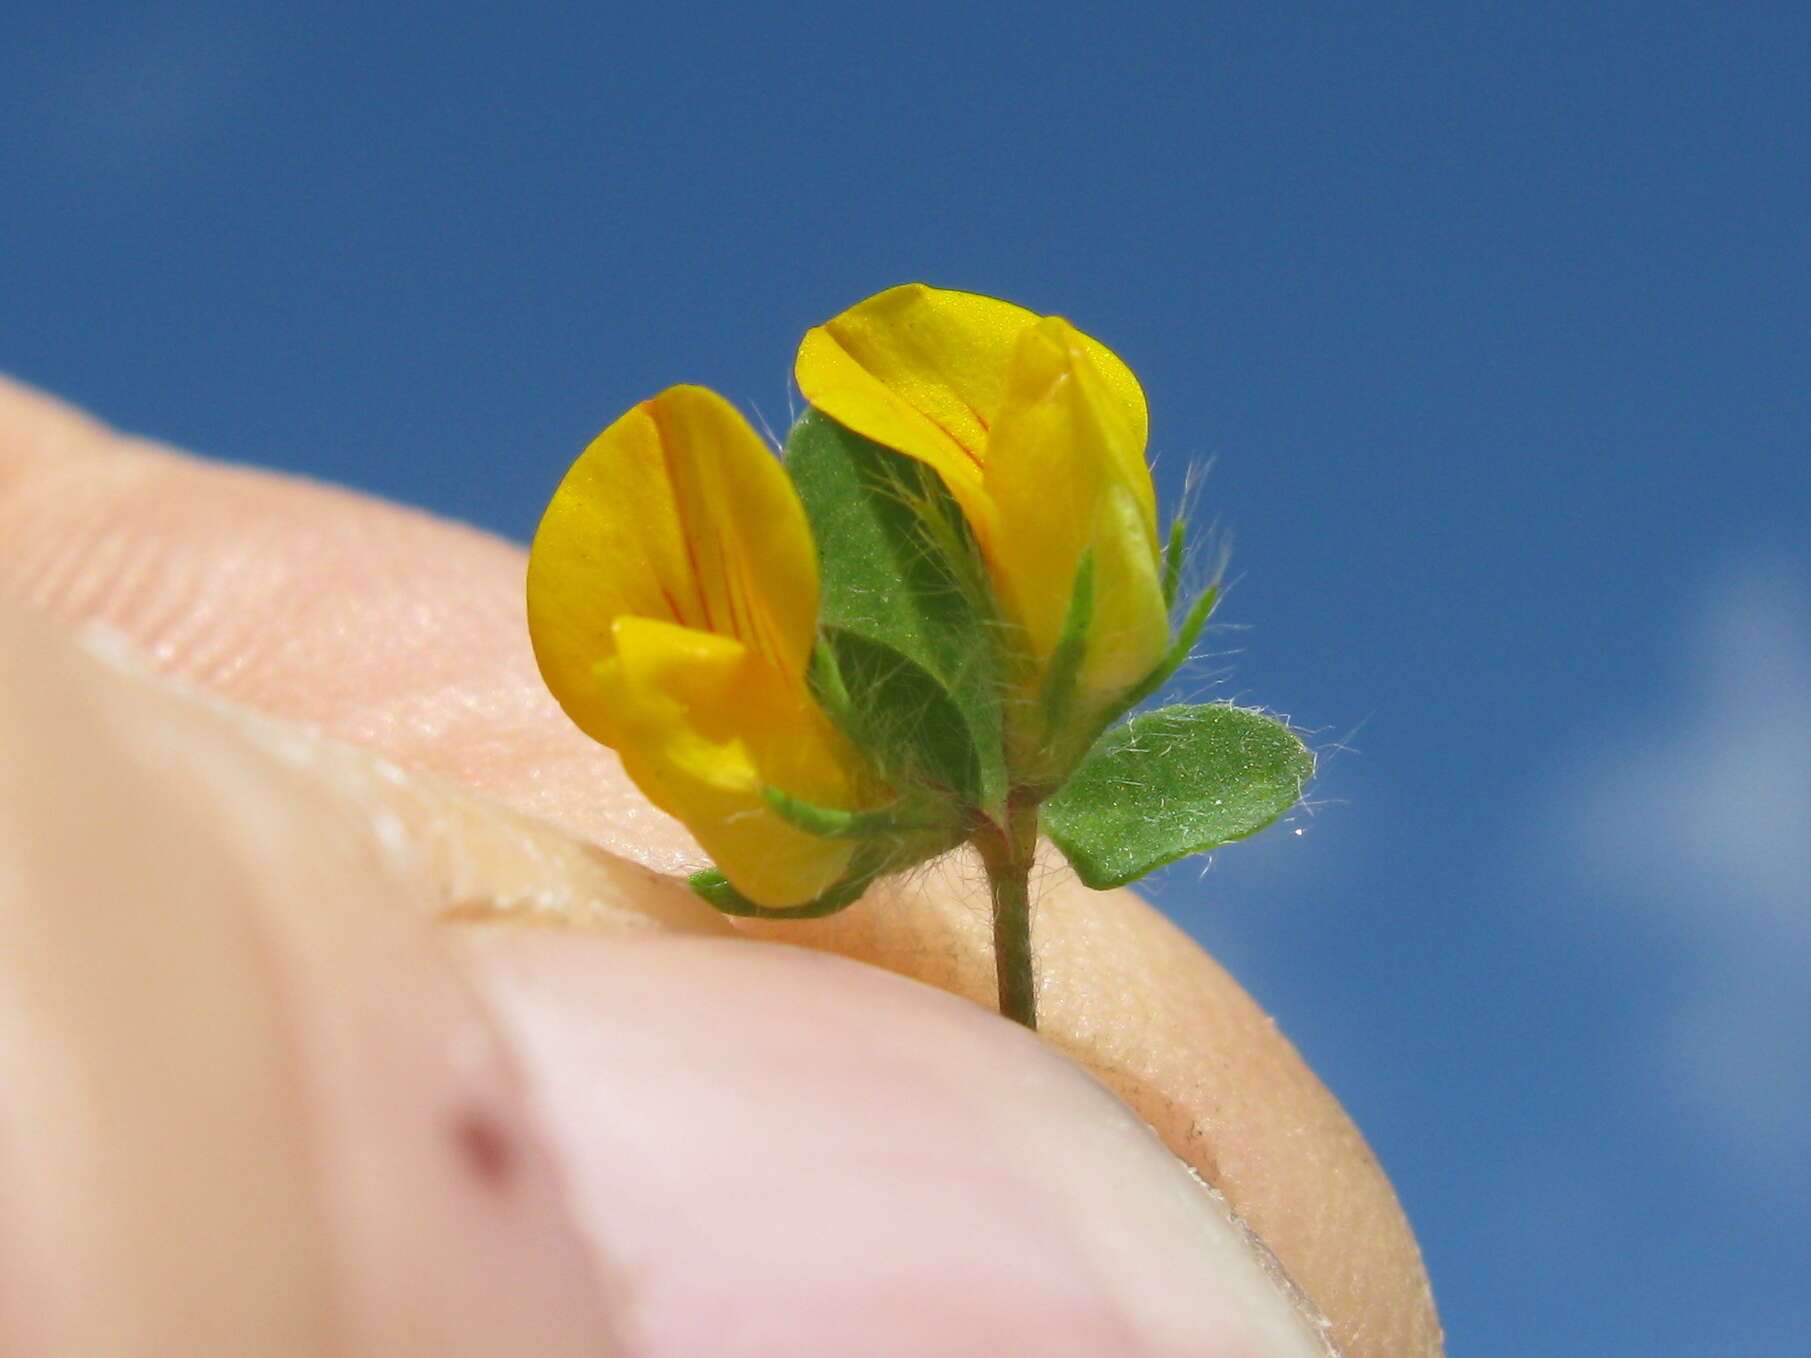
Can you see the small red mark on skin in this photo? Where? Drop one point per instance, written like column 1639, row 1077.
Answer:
column 485, row 1147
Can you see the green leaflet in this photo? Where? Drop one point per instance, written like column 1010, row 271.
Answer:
column 905, row 610
column 1174, row 782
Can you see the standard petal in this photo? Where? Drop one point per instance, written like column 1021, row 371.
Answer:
column 924, row 371
column 917, row 369
column 676, row 512
column 1123, row 423
column 703, row 723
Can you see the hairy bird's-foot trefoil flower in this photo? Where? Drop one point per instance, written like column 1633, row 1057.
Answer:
column 1039, row 433
column 921, row 630
column 672, row 602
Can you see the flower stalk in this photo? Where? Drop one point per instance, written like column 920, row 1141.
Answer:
column 1008, row 852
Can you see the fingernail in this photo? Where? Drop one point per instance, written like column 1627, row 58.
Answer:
column 787, row 1152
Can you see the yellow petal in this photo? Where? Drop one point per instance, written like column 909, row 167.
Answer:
column 1065, row 473
column 676, row 512
column 1124, row 426
column 1131, row 630
column 923, row 371
column 917, row 369
column 703, row 722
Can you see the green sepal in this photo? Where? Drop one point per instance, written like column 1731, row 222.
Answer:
column 893, row 822
column 1071, row 646
column 825, row 676
column 715, row 888
column 901, row 571
column 1172, row 561
column 1174, row 782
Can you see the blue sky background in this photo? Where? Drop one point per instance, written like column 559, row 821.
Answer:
column 1494, row 320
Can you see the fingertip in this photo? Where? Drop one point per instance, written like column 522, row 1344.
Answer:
column 789, row 1152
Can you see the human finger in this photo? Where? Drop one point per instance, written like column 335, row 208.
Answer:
column 255, row 1102
column 404, row 634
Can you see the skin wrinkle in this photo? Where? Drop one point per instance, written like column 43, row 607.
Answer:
column 1215, row 1079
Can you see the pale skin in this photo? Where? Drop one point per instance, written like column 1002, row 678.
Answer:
column 349, row 1004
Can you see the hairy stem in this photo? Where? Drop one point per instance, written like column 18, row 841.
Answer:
column 1007, row 851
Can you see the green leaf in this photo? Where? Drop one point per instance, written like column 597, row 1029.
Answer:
column 906, row 610
column 1174, row 782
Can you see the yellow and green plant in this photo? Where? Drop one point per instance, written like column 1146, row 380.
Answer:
column 924, row 628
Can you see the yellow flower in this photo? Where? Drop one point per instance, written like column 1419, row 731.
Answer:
column 672, row 602
column 1039, row 433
